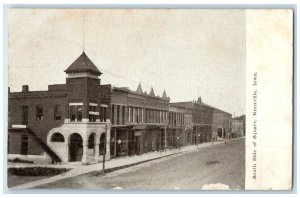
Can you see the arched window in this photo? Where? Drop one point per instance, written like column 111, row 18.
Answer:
column 57, row 137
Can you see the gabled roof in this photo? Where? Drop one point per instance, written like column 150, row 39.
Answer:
column 164, row 94
column 139, row 89
column 83, row 64
column 151, row 92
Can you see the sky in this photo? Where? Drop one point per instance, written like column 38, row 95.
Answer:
column 188, row 53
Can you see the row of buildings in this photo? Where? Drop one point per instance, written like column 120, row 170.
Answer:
column 82, row 120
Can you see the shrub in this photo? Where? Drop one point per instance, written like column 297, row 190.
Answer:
column 17, row 160
column 36, row 171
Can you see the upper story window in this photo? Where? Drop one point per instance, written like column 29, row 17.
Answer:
column 118, row 114
column 25, row 115
column 113, row 114
column 137, row 115
column 93, row 113
column 57, row 112
column 39, row 113
column 103, row 110
column 123, row 114
column 75, row 112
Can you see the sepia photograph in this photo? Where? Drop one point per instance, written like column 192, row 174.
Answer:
column 128, row 99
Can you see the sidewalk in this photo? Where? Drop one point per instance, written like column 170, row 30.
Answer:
column 117, row 163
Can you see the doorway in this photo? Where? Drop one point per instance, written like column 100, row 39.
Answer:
column 75, row 148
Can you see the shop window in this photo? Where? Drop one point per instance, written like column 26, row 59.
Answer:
column 39, row 113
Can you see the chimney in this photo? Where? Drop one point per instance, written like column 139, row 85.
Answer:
column 25, row 88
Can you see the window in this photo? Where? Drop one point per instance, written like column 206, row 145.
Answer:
column 123, row 115
column 93, row 113
column 25, row 115
column 92, row 108
column 146, row 116
column 92, row 118
column 113, row 114
column 57, row 137
column 75, row 113
column 8, row 143
column 72, row 113
column 79, row 113
column 131, row 114
column 91, row 142
column 24, row 144
column 137, row 115
column 118, row 114
column 39, row 113
column 103, row 114
column 57, row 112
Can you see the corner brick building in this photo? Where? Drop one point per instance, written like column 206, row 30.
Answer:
column 69, row 122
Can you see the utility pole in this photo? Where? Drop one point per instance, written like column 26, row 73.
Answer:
column 83, row 21
column 104, row 151
column 165, row 140
column 233, row 123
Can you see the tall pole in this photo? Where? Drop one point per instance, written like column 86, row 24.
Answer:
column 83, row 31
column 232, row 130
column 165, row 140
column 197, row 136
column 104, row 150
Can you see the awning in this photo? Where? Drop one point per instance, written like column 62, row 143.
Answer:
column 139, row 127
column 122, row 127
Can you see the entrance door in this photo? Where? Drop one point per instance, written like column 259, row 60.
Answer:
column 137, row 144
column 220, row 131
column 75, row 148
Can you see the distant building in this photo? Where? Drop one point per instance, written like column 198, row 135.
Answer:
column 221, row 123
column 176, row 135
column 238, row 126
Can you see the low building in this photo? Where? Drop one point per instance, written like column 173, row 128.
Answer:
column 221, row 123
column 176, row 136
column 238, row 126
column 201, row 120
